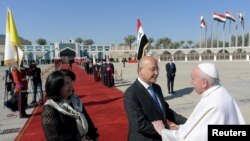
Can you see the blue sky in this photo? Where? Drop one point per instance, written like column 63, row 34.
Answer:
column 109, row 21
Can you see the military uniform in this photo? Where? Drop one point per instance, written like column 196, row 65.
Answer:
column 19, row 100
column 36, row 82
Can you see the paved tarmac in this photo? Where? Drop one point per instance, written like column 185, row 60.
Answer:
column 235, row 76
column 10, row 123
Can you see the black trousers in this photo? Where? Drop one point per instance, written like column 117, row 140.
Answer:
column 170, row 83
column 36, row 86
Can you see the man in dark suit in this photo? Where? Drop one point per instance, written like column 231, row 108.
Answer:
column 171, row 69
column 35, row 73
column 144, row 103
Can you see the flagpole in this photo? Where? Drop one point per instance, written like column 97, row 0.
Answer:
column 249, row 38
column 217, row 34
column 201, row 26
column 236, row 42
column 224, row 35
column 212, row 40
column 200, row 36
column 230, row 34
column 17, row 57
column 243, row 38
column 206, row 35
column 236, row 37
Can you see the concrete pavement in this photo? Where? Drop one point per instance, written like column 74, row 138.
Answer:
column 235, row 76
column 10, row 123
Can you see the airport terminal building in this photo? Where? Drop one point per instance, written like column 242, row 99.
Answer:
column 64, row 51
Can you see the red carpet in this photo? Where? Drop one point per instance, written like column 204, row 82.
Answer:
column 104, row 105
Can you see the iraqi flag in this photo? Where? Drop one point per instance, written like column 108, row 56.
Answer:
column 13, row 54
column 230, row 17
column 219, row 17
column 203, row 23
column 142, row 41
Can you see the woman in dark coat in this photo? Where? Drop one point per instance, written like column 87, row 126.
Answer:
column 60, row 126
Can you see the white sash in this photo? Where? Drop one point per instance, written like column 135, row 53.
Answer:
column 66, row 109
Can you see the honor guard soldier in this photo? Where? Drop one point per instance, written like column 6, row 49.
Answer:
column 19, row 99
column 35, row 73
column 24, row 79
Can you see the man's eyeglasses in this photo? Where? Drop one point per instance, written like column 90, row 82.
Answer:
column 154, row 69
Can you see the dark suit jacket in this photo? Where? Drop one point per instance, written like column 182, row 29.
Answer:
column 170, row 70
column 36, row 74
column 141, row 111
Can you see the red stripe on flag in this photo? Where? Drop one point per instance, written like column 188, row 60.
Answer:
column 138, row 24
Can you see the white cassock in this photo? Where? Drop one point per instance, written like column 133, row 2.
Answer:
column 215, row 107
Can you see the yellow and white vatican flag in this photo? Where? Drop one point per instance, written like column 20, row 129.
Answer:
column 13, row 54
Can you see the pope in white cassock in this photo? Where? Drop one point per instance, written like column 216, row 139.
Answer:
column 216, row 106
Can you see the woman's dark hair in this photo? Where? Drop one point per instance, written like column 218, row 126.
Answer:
column 69, row 73
column 54, row 84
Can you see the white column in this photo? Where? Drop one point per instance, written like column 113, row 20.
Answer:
column 26, row 54
column 51, row 55
column 215, row 57
column 186, row 58
column 230, row 57
column 33, row 53
column 200, row 58
column 57, row 51
column 247, row 57
column 77, row 50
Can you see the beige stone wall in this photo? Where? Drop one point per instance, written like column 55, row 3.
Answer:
column 1, row 52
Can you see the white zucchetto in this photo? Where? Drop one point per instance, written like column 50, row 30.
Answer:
column 209, row 69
